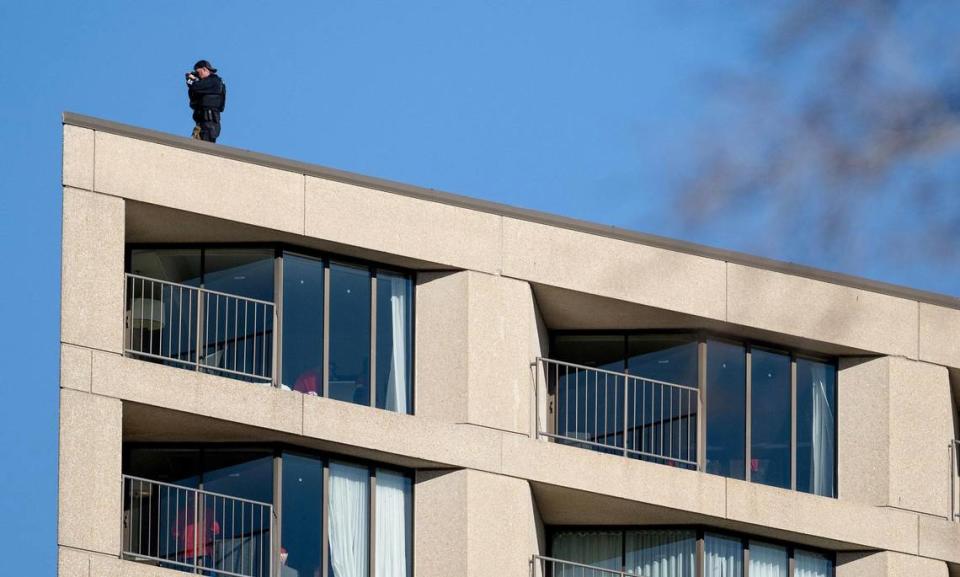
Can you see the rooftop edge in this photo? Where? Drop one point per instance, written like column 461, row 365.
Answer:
column 239, row 154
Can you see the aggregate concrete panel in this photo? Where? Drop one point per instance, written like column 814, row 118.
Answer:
column 411, row 436
column 613, row 475
column 76, row 367
column 940, row 539
column 441, row 348
column 838, row 520
column 863, row 430
column 397, row 224
column 91, row 290
column 201, row 183
column 503, row 532
column 500, row 328
column 78, row 151
column 888, row 564
column 189, row 391
column 72, row 563
column 921, row 428
column 89, row 473
column 821, row 311
column 614, row 268
column 940, row 335
column 440, row 522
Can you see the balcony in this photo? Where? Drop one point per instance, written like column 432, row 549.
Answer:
column 196, row 531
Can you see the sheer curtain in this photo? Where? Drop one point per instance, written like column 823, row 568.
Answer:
column 723, row 556
column 394, row 506
column 349, row 492
column 602, row 549
column 397, row 380
column 767, row 560
column 812, row 564
column 661, row 553
column 822, row 443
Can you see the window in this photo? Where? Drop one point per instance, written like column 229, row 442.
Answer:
column 816, row 427
column 770, row 418
column 726, row 409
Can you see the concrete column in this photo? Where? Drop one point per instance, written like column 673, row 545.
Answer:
column 476, row 337
column 90, row 505
column 474, row 524
column 895, row 423
column 91, row 311
column 887, row 564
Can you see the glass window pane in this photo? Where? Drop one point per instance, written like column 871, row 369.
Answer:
column 667, row 553
column 394, row 532
column 600, row 351
column 602, row 549
column 767, row 560
column 770, row 418
column 816, row 427
column 662, row 418
column 811, row 564
column 723, row 556
column 246, row 272
column 349, row 520
column 176, row 466
column 394, row 342
column 350, row 334
column 303, row 324
column 243, row 473
column 179, row 265
column 302, row 531
column 726, row 409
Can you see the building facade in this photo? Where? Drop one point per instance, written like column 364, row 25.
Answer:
column 270, row 368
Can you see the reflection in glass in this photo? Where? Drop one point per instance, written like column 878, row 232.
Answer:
column 349, row 334
column 723, row 556
column 394, row 525
column 394, row 343
column 812, row 564
column 602, row 549
column 239, row 473
column 303, row 324
column 179, row 265
column 664, row 553
column 302, row 531
column 816, row 425
column 349, row 520
column 767, row 560
column 176, row 466
column 726, row 409
column 247, row 272
column 770, row 418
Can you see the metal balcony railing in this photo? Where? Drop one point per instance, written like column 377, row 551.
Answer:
column 549, row 567
column 199, row 328
column 954, row 479
column 619, row 413
column 196, row 531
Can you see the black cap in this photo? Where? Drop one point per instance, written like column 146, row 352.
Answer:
column 204, row 64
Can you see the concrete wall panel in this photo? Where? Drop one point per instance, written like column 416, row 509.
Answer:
column 442, row 342
column 940, row 335
column 377, row 220
column 940, row 539
column 614, row 268
column 863, row 430
column 91, row 295
column 72, row 563
column 199, row 183
column 90, row 468
column 76, row 367
column 503, row 532
column 440, row 522
column 887, row 564
column 78, row 154
column 821, row 311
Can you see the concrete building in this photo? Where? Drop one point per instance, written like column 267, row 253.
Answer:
column 275, row 368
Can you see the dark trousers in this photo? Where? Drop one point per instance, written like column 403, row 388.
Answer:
column 208, row 124
column 209, row 131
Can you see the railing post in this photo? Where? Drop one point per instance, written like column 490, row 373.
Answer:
column 536, row 398
column 954, row 473
column 200, row 326
column 626, row 398
column 196, row 515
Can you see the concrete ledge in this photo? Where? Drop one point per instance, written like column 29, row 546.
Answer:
column 940, row 539
column 78, row 151
column 940, row 335
column 76, row 367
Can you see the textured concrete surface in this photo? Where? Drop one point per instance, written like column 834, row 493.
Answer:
column 887, row 564
column 502, row 532
column 392, row 223
column 940, row 335
column 442, row 339
column 91, row 293
column 863, row 430
column 200, row 183
column 76, row 367
column 821, row 311
column 72, row 563
column 940, row 539
column 78, row 154
column 614, row 268
column 89, row 473
column 440, row 521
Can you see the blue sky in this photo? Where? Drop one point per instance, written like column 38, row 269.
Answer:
column 587, row 109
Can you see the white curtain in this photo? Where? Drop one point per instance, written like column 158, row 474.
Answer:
column 349, row 515
column 812, row 564
column 723, row 556
column 394, row 506
column 669, row 553
column 822, row 444
column 397, row 379
column 602, row 549
column 767, row 560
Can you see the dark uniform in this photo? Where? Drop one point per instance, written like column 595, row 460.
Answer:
column 208, row 98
